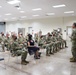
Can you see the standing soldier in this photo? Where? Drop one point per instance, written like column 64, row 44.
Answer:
column 73, row 39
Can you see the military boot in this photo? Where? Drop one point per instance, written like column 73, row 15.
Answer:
column 47, row 54
column 23, row 63
column 72, row 60
column 27, row 61
column 66, row 46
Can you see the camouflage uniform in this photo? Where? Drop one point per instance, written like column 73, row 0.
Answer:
column 2, row 39
column 19, row 50
column 36, row 37
column 73, row 39
column 41, row 41
column 54, row 44
column 45, row 42
column 49, row 45
column 22, row 41
column 7, row 43
column 61, row 41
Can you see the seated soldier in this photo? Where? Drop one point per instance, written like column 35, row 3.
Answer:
column 63, row 41
column 45, row 42
column 49, row 45
column 33, row 48
column 41, row 41
column 55, row 43
column 2, row 41
column 19, row 50
column 7, row 42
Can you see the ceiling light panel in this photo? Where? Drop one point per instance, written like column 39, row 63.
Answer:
column 19, row 8
column 22, row 11
column 13, row 1
column 35, row 15
column 8, row 14
column 68, row 12
column 37, row 9
column 50, row 14
column 58, row 6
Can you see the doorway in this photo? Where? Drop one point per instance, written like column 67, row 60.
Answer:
column 69, row 32
column 30, row 30
column 21, row 30
column 2, row 27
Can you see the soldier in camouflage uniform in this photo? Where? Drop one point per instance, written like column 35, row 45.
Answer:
column 55, row 43
column 41, row 41
column 36, row 38
column 49, row 44
column 73, row 39
column 7, row 41
column 2, row 38
column 17, row 50
column 22, row 40
column 63, row 42
column 45, row 42
column 60, row 41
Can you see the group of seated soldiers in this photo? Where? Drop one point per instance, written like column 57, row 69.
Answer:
column 53, row 42
column 20, row 45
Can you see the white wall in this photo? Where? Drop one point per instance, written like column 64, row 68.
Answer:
column 46, row 25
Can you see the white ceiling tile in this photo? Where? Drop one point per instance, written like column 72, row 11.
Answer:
column 45, row 5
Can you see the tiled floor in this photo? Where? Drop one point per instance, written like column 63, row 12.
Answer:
column 57, row 64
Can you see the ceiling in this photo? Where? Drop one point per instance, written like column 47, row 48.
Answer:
column 28, row 5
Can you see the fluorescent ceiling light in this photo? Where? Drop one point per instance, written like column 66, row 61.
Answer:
column 50, row 14
column 23, row 16
column 68, row 12
column 36, row 9
column 58, row 6
column 35, row 15
column 14, row 18
column 19, row 8
column 13, row 1
column 22, row 11
column 8, row 14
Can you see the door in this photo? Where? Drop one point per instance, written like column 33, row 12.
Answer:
column 2, row 27
column 69, row 32
column 30, row 30
column 21, row 30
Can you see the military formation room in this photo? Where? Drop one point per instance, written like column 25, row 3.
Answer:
column 37, row 37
